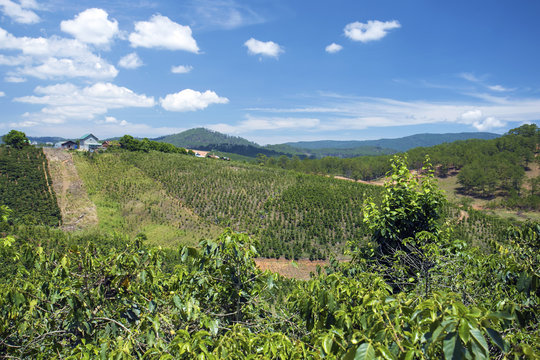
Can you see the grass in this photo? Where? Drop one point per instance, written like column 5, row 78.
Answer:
column 130, row 202
column 451, row 186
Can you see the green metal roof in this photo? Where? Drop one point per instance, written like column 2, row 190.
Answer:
column 87, row 135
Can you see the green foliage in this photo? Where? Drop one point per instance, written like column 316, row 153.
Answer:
column 26, row 186
column 16, row 139
column 408, row 206
column 87, row 296
column 130, row 202
column 289, row 214
column 129, row 143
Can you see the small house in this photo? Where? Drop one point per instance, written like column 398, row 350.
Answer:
column 66, row 145
column 89, row 143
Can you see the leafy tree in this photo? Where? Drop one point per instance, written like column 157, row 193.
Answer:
column 17, row 139
column 409, row 205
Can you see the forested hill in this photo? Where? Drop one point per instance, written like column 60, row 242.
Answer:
column 195, row 138
column 204, row 139
column 399, row 144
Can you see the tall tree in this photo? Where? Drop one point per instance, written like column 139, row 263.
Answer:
column 17, row 139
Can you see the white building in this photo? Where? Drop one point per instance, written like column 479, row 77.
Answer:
column 89, row 143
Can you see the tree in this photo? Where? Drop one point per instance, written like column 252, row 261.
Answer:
column 409, row 205
column 17, row 139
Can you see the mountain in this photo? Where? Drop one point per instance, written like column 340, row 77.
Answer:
column 399, row 144
column 208, row 140
column 198, row 137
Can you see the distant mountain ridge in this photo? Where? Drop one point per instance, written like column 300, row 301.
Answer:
column 208, row 140
column 398, row 144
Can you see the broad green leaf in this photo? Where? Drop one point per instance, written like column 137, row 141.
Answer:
column 480, row 340
column 452, row 348
column 327, row 344
column 463, row 330
column 497, row 339
column 365, row 352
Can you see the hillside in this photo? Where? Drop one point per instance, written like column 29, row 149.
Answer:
column 398, row 144
column 208, row 140
column 195, row 138
column 461, row 283
column 26, row 186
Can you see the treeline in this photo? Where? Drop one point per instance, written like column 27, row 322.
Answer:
column 486, row 167
column 26, row 185
column 129, row 143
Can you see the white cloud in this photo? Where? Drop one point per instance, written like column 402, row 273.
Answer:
column 14, row 79
column 91, row 26
column 191, row 100
column 109, row 120
column 268, row 48
column 266, row 123
column 13, row 60
column 54, row 57
column 222, row 14
column 333, row 48
column 498, row 88
column 130, row 61
column 69, row 102
column 181, row 69
column 161, row 32
column 370, row 31
column 53, row 68
column 488, row 124
column 355, row 113
column 471, row 115
column 469, row 77
column 2, row 94
column 20, row 12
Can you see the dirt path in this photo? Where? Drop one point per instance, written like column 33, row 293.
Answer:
column 300, row 270
column 78, row 211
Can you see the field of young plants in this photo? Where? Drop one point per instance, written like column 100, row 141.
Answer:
column 289, row 214
column 26, row 186
column 424, row 281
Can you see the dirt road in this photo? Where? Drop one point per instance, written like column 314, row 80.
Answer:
column 78, row 211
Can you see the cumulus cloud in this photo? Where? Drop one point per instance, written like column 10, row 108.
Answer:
column 191, row 100
column 268, row 48
column 2, row 94
column 181, row 69
column 130, row 61
column 111, row 120
column 471, row 115
column 69, row 102
column 54, row 57
column 488, row 123
column 161, row 32
column 370, row 31
column 333, row 48
column 20, row 12
column 91, row 26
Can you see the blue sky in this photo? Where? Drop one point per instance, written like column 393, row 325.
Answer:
column 268, row 70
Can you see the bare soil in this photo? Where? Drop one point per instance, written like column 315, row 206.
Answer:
column 78, row 211
column 300, row 269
